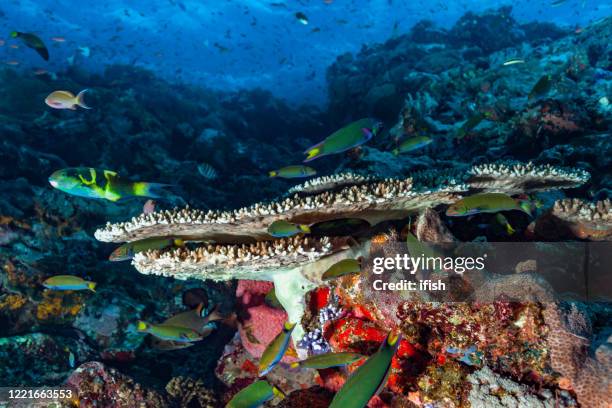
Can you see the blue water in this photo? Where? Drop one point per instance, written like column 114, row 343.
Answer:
column 231, row 44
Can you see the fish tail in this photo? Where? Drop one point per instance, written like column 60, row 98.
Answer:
column 289, row 326
column 295, row 364
column 305, row 229
column 80, row 99
column 393, row 338
column 273, row 173
column 92, row 286
column 526, row 207
column 313, row 152
column 14, row 34
column 509, row 229
column 152, row 190
column 278, row 393
column 178, row 242
column 142, row 326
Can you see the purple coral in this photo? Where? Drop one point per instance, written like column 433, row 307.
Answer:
column 314, row 342
column 329, row 312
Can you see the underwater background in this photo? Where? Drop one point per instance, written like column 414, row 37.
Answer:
column 206, row 103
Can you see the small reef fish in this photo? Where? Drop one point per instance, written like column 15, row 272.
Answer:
column 284, row 229
column 167, row 332
column 328, row 360
column 275, row 351
column 68, row 282
column 344, row 267
column 13, row 62
column 301, row 17
column 487, row 203
column 513, row 62
column 127, row 251
column 556, row 3
column 348, row 137
column 34, row 42
column 197, row 319
column 207, row 171
column 255, row 395
column 470, row 124
column 66, row 100
column 370, row 378
column 541, row 87
column 290, row 172
column 411, row 144
column 102, row 184
column 58, row 39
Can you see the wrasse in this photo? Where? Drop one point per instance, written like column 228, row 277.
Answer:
column 344, row 267
column 127, row 251
column 411, row 144
column 103, row 184
column 290, row 172
column 328, row 360
column 255, row 395
column 284, row 229
column 350, row 136
column 34, row 42
column 275, row 351
column 369, row 379
column 541, row 87
column 470, row 124
column 487, row 203
column 168, row 332
column 68, row 282
column 66, row 100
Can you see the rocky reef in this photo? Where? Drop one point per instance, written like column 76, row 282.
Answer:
column 492, row 131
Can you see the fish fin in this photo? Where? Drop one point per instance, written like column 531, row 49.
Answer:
column 92, row 286
column 295, row 364
column 313, row 152
column 215, row 315
column 200, row 309
column 291, row 352
column 152, row 190
column 305, row 229
column 273, row 173
column 142, row 326
column 526, row 207
column 367, row 133
column 178, row 242
column 509, row 229
column 80, row 99
column 14, row 34
column 289, row 326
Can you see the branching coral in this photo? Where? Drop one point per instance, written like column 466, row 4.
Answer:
column 327, row 183
column 585, row 220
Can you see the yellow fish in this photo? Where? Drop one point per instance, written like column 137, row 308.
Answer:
column 66, row 100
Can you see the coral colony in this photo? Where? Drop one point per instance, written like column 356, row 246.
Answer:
column 437, row 234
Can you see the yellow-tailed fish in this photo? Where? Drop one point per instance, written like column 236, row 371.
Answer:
column 412, row 143
column 350, row 136
column 69, row 282
column 344, row 267
column 168, row 332
column 255, row 395
column 513, row 61
column 283, row 229
column 487, row 203
column 328, row 360
column 503, row 221
column 97, row 183
column 128, row 250
column 66, row 100
column 275, row 351
column 34, row 42
column 290, row 172
column 541, row 87
column 369, row 379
